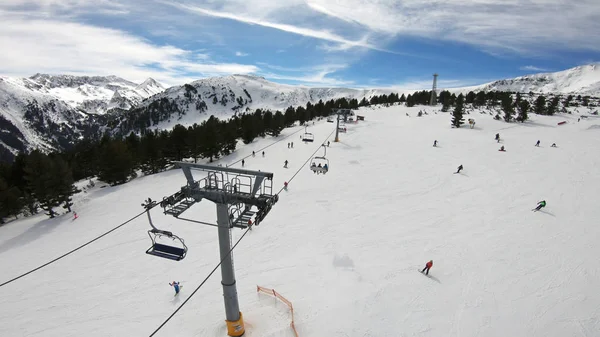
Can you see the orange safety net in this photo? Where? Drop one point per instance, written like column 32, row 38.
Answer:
column 272, row 292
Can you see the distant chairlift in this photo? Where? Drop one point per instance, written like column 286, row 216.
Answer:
column 172, row 252
column 308, row 137
column 322, row 161
column 316, row 161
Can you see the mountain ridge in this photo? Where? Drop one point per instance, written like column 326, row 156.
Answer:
column 52, row 111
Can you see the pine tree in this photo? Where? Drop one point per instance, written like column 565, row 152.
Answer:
column 523, row 110
column 42, row 182
column 457, row 115
column 553, row 106
column 178, row 143
column 11, row 201
column 228, row 136
column 211, row 138
column 507, row 107
column 153, row 158
column 116, row 163
column 193, row 141
column 540, row 105
column 65, row 183
column 278, row 123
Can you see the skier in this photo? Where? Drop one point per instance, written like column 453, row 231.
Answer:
column 327, row 143
column 243, row 162
column 459, row 169
column 263, row 154
column 540, row 205
column 537, row 144
column 288, row 145
column 502, row 148
column 326, row 168
column 285, row 185
column 285, row 164
column 176, row 286
column 253, row 154
column 434, row 143
column 498, row 137
column 292, row 145
column 428, row 266
column 75, row 215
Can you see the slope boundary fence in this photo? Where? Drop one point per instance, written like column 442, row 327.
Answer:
column 277, row 295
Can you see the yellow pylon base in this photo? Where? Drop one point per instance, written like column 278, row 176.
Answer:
column 236, row 328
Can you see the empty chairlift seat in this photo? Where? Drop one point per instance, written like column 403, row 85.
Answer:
column 172, row 252
column 308, row 137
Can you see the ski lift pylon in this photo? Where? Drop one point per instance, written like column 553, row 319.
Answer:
column 171, row 252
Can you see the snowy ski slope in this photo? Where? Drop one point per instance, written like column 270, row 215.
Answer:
column 345, row 248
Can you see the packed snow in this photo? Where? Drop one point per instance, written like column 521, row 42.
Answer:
column 346, row 248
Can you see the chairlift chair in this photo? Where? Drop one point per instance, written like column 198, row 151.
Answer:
column 308, row 137
column 171, row 252
column 314, row 164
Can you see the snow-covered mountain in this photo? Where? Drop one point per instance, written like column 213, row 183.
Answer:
column 584, row 80
column 52, row 111
column 95, row 94
column 227, row 95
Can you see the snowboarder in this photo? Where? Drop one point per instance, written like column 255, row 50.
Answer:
column 537, row 144
column 285, row 163
column 434, row 143
column 540, row 205
column 243, row 162
column 553, row 145
column 498, row 137
column 176, row 286
column 459, row 169
column 428, row 266
column 502, row 148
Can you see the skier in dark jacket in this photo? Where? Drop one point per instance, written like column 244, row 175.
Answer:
column 459, row 169
column 434, row 143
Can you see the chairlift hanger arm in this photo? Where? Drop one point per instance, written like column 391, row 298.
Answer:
column 204, row 167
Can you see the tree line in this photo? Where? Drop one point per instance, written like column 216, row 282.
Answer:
column 37, row 180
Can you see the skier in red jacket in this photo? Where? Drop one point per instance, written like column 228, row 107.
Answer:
column 428, row 266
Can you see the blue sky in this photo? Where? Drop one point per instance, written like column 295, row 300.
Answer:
column 351, row 43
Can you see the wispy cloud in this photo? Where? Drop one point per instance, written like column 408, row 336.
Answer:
column 239, row 53
column 319, row 75
column 30, row 46
column 516, row 26
column 344, row 43
column 532, row 68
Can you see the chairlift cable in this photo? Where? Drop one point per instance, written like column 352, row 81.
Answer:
column 201, row 284
column 230, row 250
column 73, row 250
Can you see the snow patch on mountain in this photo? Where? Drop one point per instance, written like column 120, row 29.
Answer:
column 583, row 80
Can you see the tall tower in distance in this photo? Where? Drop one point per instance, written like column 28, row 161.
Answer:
column 433, row 100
